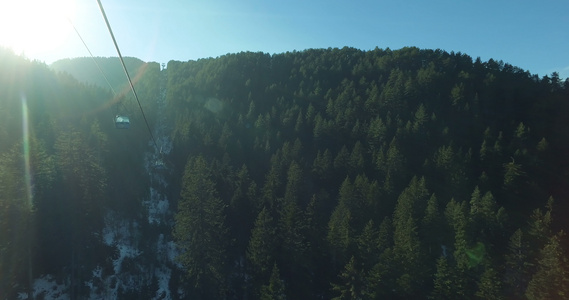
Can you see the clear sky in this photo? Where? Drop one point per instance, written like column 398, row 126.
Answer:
column 533, row 35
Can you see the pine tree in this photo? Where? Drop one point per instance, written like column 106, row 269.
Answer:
column 498, row 148
column 443, row 282
column 476, row 204
column 241, row 209
column 551, row 281
column 341, row 162
column 517, row 265
column 293, row 247
column 275, row 290
column 293, row 186
column 299, row 122
column 322, row 164
column 339, row 233
column 484, row 151
column 262, row 245
column 22, row 192
column 431, row 229
column 360, row 201
column 489, row 286
column 407, row 251
column 421, row 117
column 201, row 232
column 356, row 161
column 352, row 283
column 367, row 244
column 540, row 226
column 512, row 174
column 376, row 133
column 273, row 183
column 406, row 243
column 379, row 282
column 542, row 146
column 385, row 235
column 456, row 215
column 395, row 161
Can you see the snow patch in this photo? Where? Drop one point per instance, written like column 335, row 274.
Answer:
column 125, row 251
column 157, row 206
column 117, row 230
column 173, row 253
column 47, row 288
column 167, row 251
column 163, row 275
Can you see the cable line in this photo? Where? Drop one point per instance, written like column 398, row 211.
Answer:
column 126, row 73
column 92, row 57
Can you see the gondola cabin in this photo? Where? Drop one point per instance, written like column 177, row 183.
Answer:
column 122, row 122
column 159, row 165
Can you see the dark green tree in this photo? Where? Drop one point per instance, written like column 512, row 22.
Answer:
column 262, row 245
column 201, row 232
column 406, row 243
column 432, row 230
column 342, row 160
column 456, row 216
column 291, row 234
column 367, row 244
column 322, row 164
column 517, row 265
column 444, row 285
column 356, row 161
column 551, row 281
column 25, row 182
column 490, row 286
column 340, row 232
column 352, row 283
column 275, row 290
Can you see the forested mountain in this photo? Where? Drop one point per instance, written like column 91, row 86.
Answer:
column 89, row 70
column 325, row 173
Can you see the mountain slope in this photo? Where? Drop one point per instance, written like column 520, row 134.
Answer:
column 325, row 173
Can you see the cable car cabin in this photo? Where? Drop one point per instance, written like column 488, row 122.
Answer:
column 122, row 122
column 159, row 165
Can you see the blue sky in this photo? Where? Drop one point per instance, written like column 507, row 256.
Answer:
column 533, row 35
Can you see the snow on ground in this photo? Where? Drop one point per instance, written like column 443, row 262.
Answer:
column 121, row 234
column 125, row 251
column 167, row 251
column 118, row 230
column 173, row 253
column 163, row 275
column 157, row 206
column 47, row 288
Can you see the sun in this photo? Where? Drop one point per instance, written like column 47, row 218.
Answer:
column 33, row 27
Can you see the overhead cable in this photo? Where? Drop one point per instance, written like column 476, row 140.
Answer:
column 126, row 72
column 92, row 57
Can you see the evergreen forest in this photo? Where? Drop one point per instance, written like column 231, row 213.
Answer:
column 316, row 174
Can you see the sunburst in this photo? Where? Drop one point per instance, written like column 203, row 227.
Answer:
column 32, row 27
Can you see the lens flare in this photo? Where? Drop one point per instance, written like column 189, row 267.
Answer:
column 476, row 254
column 26, row 151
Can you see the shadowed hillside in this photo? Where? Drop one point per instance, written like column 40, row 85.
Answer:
column 85, row 70
column 324, row 173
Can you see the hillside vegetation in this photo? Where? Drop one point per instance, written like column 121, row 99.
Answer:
column 324, row 173
column 88, row 70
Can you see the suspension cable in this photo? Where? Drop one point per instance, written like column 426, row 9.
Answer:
column 92, row 57
column 126, row 73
